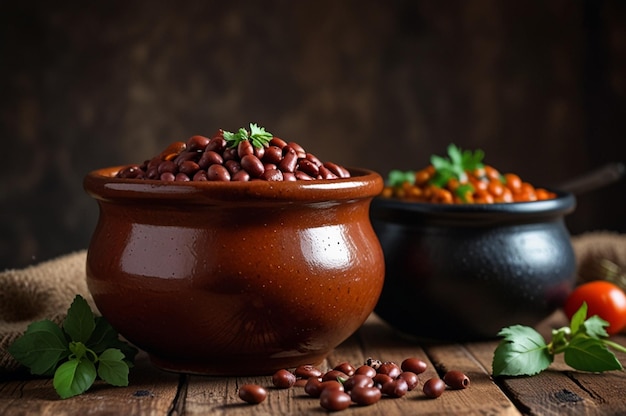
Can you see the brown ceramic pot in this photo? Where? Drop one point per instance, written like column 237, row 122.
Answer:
column 234, row 278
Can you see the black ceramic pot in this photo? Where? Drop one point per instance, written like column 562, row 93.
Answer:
column 462, row 272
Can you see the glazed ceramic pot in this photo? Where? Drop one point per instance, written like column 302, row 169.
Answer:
column 226, row 278
column 462, row 272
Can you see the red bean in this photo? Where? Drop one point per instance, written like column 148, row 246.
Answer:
column 411, row 379
column 209, row 158
column 358, row 380
column 299, row 149
column 188, row 167
column 308, row 167
column 233, row 166
column 172, row 151
column 414, row 364
column 200, row 175
column 259, row 152
column 434, row 387
column 273, row 154
column 331, row 385
column 252, row 165
column 307, row 371
column 366, row 370
column 280, row 143
column 218, row 173
column 382, row 379
column 301, row 176
column 245, row 148
column 272, row 175
column 314, row 159
column 197, row 143
column 216, row 144
column 335, row 400
column 167, row 177
column 283, row 379
column 334, row 375
column 167, row 166
column 252, row 393
column 313, row 387
column 340, row 171
column 289, row 177
column 289, row 161
column 395, row 388
column 346, row 368
column 391, row 369
column 365, row 396
column 240, row 176
column 456, row 379
column 181, row 177
column 325, row 173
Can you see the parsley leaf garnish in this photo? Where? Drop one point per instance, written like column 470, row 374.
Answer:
column 524, row 352
column 85, row 347
column 257, row 135
column 455, row 165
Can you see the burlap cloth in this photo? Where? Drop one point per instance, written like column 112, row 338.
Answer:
column 46, row 290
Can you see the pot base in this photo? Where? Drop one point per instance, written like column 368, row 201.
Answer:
column 233, row 366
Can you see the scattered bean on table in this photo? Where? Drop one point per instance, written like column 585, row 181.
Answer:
column 346, row 385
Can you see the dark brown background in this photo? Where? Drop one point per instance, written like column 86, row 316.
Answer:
column 540, row 86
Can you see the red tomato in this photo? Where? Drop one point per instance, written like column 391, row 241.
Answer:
column 604, row 299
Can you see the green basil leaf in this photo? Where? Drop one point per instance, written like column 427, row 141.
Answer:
column 79, row 323
column 594, row 327
column 74, row 377
column 578, row 318
column 41, row 347
column 102, row 336
column 112, row 368
column 523, row 351
column 590, row 354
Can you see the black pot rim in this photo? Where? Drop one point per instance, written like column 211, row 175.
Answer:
column 397, row 210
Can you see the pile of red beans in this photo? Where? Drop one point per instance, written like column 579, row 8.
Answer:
column 346, row 385
column 214, row 159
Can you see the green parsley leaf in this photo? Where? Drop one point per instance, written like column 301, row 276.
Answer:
column 257, row 136
column 523, row 351
column 397, row 178
column 41, row 347
column 590, row 354
column 74, row 377
column 79, row 323
column 112, row 368
column 455, row 165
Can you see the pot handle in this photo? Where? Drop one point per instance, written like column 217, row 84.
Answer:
column 598, row 178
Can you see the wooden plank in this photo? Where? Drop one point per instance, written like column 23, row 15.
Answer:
column 150, row 392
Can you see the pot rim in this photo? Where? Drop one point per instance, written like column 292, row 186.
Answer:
column 398, row 210
column 102, row 184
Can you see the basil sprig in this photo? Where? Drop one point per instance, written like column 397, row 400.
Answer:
column 584, row 345
column 84, row 348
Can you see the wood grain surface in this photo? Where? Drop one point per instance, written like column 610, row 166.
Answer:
column 557, row 391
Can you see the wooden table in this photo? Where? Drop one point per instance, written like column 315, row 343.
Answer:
column 557, row 391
